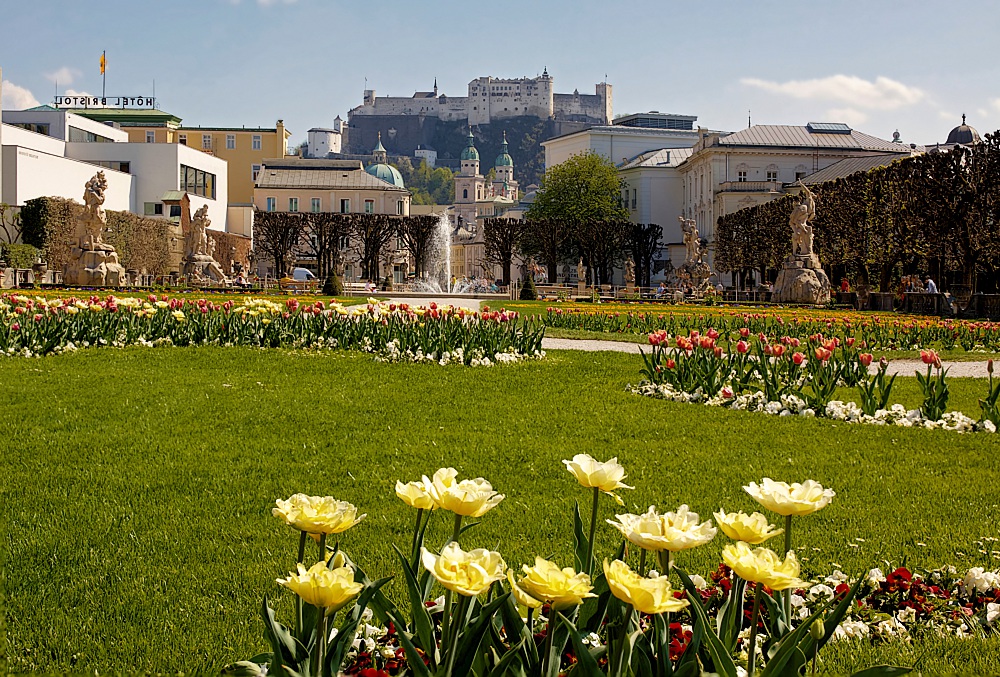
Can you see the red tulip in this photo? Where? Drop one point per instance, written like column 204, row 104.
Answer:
column 928, row 356
column 866, row 359
column 671, row 364
column 778, row 350
column 744, row 332
column 742, row 347
column 798, row 358
column 727, row 392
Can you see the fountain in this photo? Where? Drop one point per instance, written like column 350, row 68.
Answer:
column 437, row 268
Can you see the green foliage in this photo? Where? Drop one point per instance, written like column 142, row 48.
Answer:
column 528, row 290
column 18, row 255
column 429, row 186
column 332, row 286
column 584, row 188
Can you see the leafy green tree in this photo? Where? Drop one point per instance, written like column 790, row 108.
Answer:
column 586, row 187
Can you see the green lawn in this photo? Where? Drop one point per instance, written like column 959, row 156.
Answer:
column 137, row 486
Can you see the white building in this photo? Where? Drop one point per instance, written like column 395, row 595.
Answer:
column 618, row 143
column 49, row 152
column 321, row 142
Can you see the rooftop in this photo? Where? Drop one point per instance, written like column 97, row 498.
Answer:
column 319, row 174
column 664, row 157
column 128, row 116
column 623, row 130
column 848, row 166
column 815, row 135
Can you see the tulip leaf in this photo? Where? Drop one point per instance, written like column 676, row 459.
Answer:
column 472, row 636
column 690, row 656
column 790, row 653
column 423, row 626
column 776, row 626
column 580, row 542
column 722, row 660
column 662, row 646
column 509, row 662
column 882, row 671
column 414, row 660
column 515, row 627
column 586, row 664
column 467, row 526
column 286, row 651
column 690, row 669
column 345, row 636
column 380, row 604
column 730, row 618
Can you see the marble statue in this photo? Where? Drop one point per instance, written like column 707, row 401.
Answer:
column 92, row 262
column 629, row 271
column 199, row 262
column 581, row 271
column 694, row 273
column 802, row 278
column 692, row 240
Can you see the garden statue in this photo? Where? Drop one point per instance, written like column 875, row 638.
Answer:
column 581, row 277
column 92, row 262
column 199, row 262
column 802, row 278
column 692, row 240
column 629, row 270
column 694, row 272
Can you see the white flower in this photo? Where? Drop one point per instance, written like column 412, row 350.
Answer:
column 979, row 580
column 850, row 629
column 821, row 590
column 875, row 576
column 836, row 578
column 699, row 582
column 992, row 612
column 906, row 615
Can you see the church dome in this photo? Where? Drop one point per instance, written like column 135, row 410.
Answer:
column 387, row 173
column 503, row 159
column 963, row 134
column 470, row 152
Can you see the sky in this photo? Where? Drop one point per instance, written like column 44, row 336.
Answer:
column 878, row 66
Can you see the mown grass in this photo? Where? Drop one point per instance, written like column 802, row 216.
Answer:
column 137, row 487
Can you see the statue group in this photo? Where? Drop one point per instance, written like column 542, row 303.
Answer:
column 802, row 278
column 94, row 263
column 199, row 257
column 692, row 275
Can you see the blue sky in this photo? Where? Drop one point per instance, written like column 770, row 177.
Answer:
column 915, row 66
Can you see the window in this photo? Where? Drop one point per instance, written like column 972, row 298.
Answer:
column 272, row 204
column 772, row 174
column 257, row 142
column 799, row 175
column 293, row 204
column 741, row 176
column 197, row 182
column 465, row 194
column 175, row 211
column 182, row 139
column 153, row 209
column 150, row 137
column 255, row 172
column 230, row 142
column 316, row 206
column 206, row 142
column 369, row 206
column 345, row 206
column 399, row 208
column 634, row 198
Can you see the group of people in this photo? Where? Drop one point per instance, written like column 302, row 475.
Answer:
column 912, row 284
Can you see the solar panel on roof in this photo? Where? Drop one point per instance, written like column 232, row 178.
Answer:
column 828, row 128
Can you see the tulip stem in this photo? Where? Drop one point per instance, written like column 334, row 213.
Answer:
column 642, row 562
column 752, row 650
column 458, row 528
column 322, row 547
column 588, row 565
column 416, row 535
column 453, row 643
column 550, row 630
column 530, row 622
column 298, row 600
column 302, row 546
column 787, row 594
column 319, row 649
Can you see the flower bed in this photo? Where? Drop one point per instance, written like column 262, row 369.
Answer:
column 597, row 617
column 395, row 333
column 790, row 377
column 877, row 332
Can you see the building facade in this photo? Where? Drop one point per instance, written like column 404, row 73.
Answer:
column 489, row 99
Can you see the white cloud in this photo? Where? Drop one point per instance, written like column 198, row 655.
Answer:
column 16, row 97
column 63, row 76
column 851, row 116
column 995, row 103
column 881, row 94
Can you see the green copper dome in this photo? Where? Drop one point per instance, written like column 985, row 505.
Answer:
column 503, row 159
column 470, row 152
column 387, row 173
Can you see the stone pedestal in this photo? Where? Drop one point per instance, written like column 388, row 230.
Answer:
column 630, row 288
column 202, row 269
column 802, row 280
column 581, row 288
column 95, row 265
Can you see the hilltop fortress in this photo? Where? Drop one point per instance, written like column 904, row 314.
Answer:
column 492, row 99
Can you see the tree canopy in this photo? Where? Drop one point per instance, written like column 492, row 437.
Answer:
column 584, row 188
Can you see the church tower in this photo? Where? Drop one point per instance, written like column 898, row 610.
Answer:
column 504, row 184
column 470, row 185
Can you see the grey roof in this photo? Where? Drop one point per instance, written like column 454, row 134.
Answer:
column 622, row 130
column 323, row 129
column 795, row 136
column 664, row 157
column 848, row 166
column 293, row 162
column 325, row 178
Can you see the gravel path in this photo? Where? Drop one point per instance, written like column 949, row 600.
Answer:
column 902, row 367
column 468, row 304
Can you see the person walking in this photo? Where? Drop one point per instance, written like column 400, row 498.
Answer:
column 931, row 287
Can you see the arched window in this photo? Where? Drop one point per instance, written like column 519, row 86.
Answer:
column 741, row 172
column 772, row 172
column 465, row 194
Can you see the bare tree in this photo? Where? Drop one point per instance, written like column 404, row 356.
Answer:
column 642, row 240
column 417, row 234
column 323, row 234
column 371, row 235
column 10, row 223
column 545, row 240
column 501, row 238
column 278, row 234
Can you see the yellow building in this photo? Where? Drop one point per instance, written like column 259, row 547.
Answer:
column 243, row 148
column 340, row 186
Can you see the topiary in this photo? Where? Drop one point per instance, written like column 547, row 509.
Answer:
column 332, row 286
column 528, row 291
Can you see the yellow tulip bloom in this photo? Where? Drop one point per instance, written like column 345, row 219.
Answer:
column 647, row 595
column 763, row 566
column 467, row 573
column 593, row 474
column 469, row 498
column 740, row 526
column 317, row 514
column 523, row 598
column 669, row 531
column 415, row 495
column 331, row 589
column 795, row 499
column 562, row 588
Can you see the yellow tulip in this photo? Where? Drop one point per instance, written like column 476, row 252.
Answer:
column 469, row 498
column 562, row 588
column 763, row 566
column 593, row 474
column 669, row 531
column 795, row 499
column 467, row 573
column 317, row 514
column 740, row 526
column 331, row 589
column 647, row 595
column 523, row 598
column 415, row 495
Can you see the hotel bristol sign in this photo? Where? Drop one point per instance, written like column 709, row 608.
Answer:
column 105, row 102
